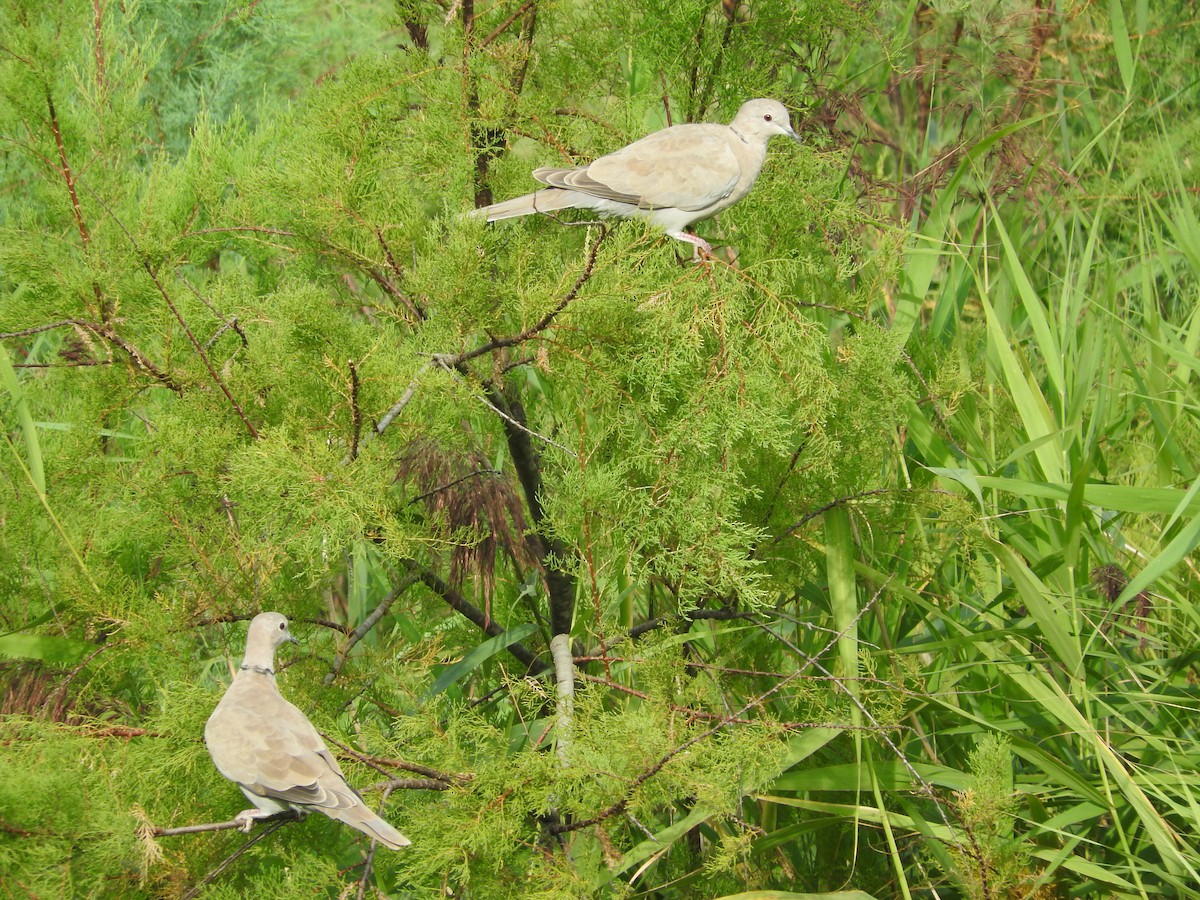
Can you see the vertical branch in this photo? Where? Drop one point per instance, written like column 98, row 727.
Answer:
column 487, row 143
column 97, row 22
column 705, row 96
column 552, row 553
column 85, row 236
column 564, row 680
column 355, row 412
column 65, row 167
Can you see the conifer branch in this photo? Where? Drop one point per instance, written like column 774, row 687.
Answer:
column 199, row 348
column 281, row 819
column 109, row 334
column 546, row 320
column 97, row 23
column 810, row 662
column 457, row 362
column 387, row 284
column 378, row 763
column 507, row 23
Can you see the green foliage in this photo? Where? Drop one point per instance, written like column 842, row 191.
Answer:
column 875, row 537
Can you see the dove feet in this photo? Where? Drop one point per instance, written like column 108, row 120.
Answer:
column 247, row 817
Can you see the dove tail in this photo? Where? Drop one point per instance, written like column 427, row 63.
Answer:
column 543, row 201
column 363, row 819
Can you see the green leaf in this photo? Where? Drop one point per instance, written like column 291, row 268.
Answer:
column 46, row 648
column 33, row 448
column 480, row 654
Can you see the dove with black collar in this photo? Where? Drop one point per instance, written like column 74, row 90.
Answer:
column 673, row 177
column 272, row 751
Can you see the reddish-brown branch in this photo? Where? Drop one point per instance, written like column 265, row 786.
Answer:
column 504, row 26
column 545, row 321
column 97, row 22
column 108, row 333
column 65, row 168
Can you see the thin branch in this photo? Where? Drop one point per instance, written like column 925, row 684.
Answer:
column 509, row 420
column 378, row 762
column 97, row 22
column 411, row 784
column 108, row 333
column 545, row 321
column 649, row 773
column 367, row 624
column 390, row 286
column 281, row 818
column 840, row 501
column 450, row 484
column 65, row 167
column 811, row 661
column 488, row 625
column 457, row 362
column 408, row 394
column 179, row 317
column 692, row 615
column 504, row 26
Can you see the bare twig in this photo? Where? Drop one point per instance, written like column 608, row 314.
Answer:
column 413, row 784
column 408, row 394
column 367, row 624
column 288, row 815
column 509, row 419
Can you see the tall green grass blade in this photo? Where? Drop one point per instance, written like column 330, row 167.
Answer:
column 1169, row 557
column 1035, row 415
column 33, row 447
column 479, row 655
column 1046, row 341
column 843, row 593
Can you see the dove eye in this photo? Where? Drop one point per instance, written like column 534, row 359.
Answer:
column 767, row 117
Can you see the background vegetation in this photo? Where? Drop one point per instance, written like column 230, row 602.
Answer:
column 873, row 541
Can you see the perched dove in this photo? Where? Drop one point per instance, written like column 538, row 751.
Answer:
column 672, row 177
column 272, row 751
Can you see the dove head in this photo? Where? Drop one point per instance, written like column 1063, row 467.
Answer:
column 267, row 631
column 762, row 119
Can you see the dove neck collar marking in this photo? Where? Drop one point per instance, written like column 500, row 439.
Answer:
column 261, row 670
column 741, row 137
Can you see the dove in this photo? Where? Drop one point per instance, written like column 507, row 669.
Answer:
column 271, row 750
column 673, row 177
